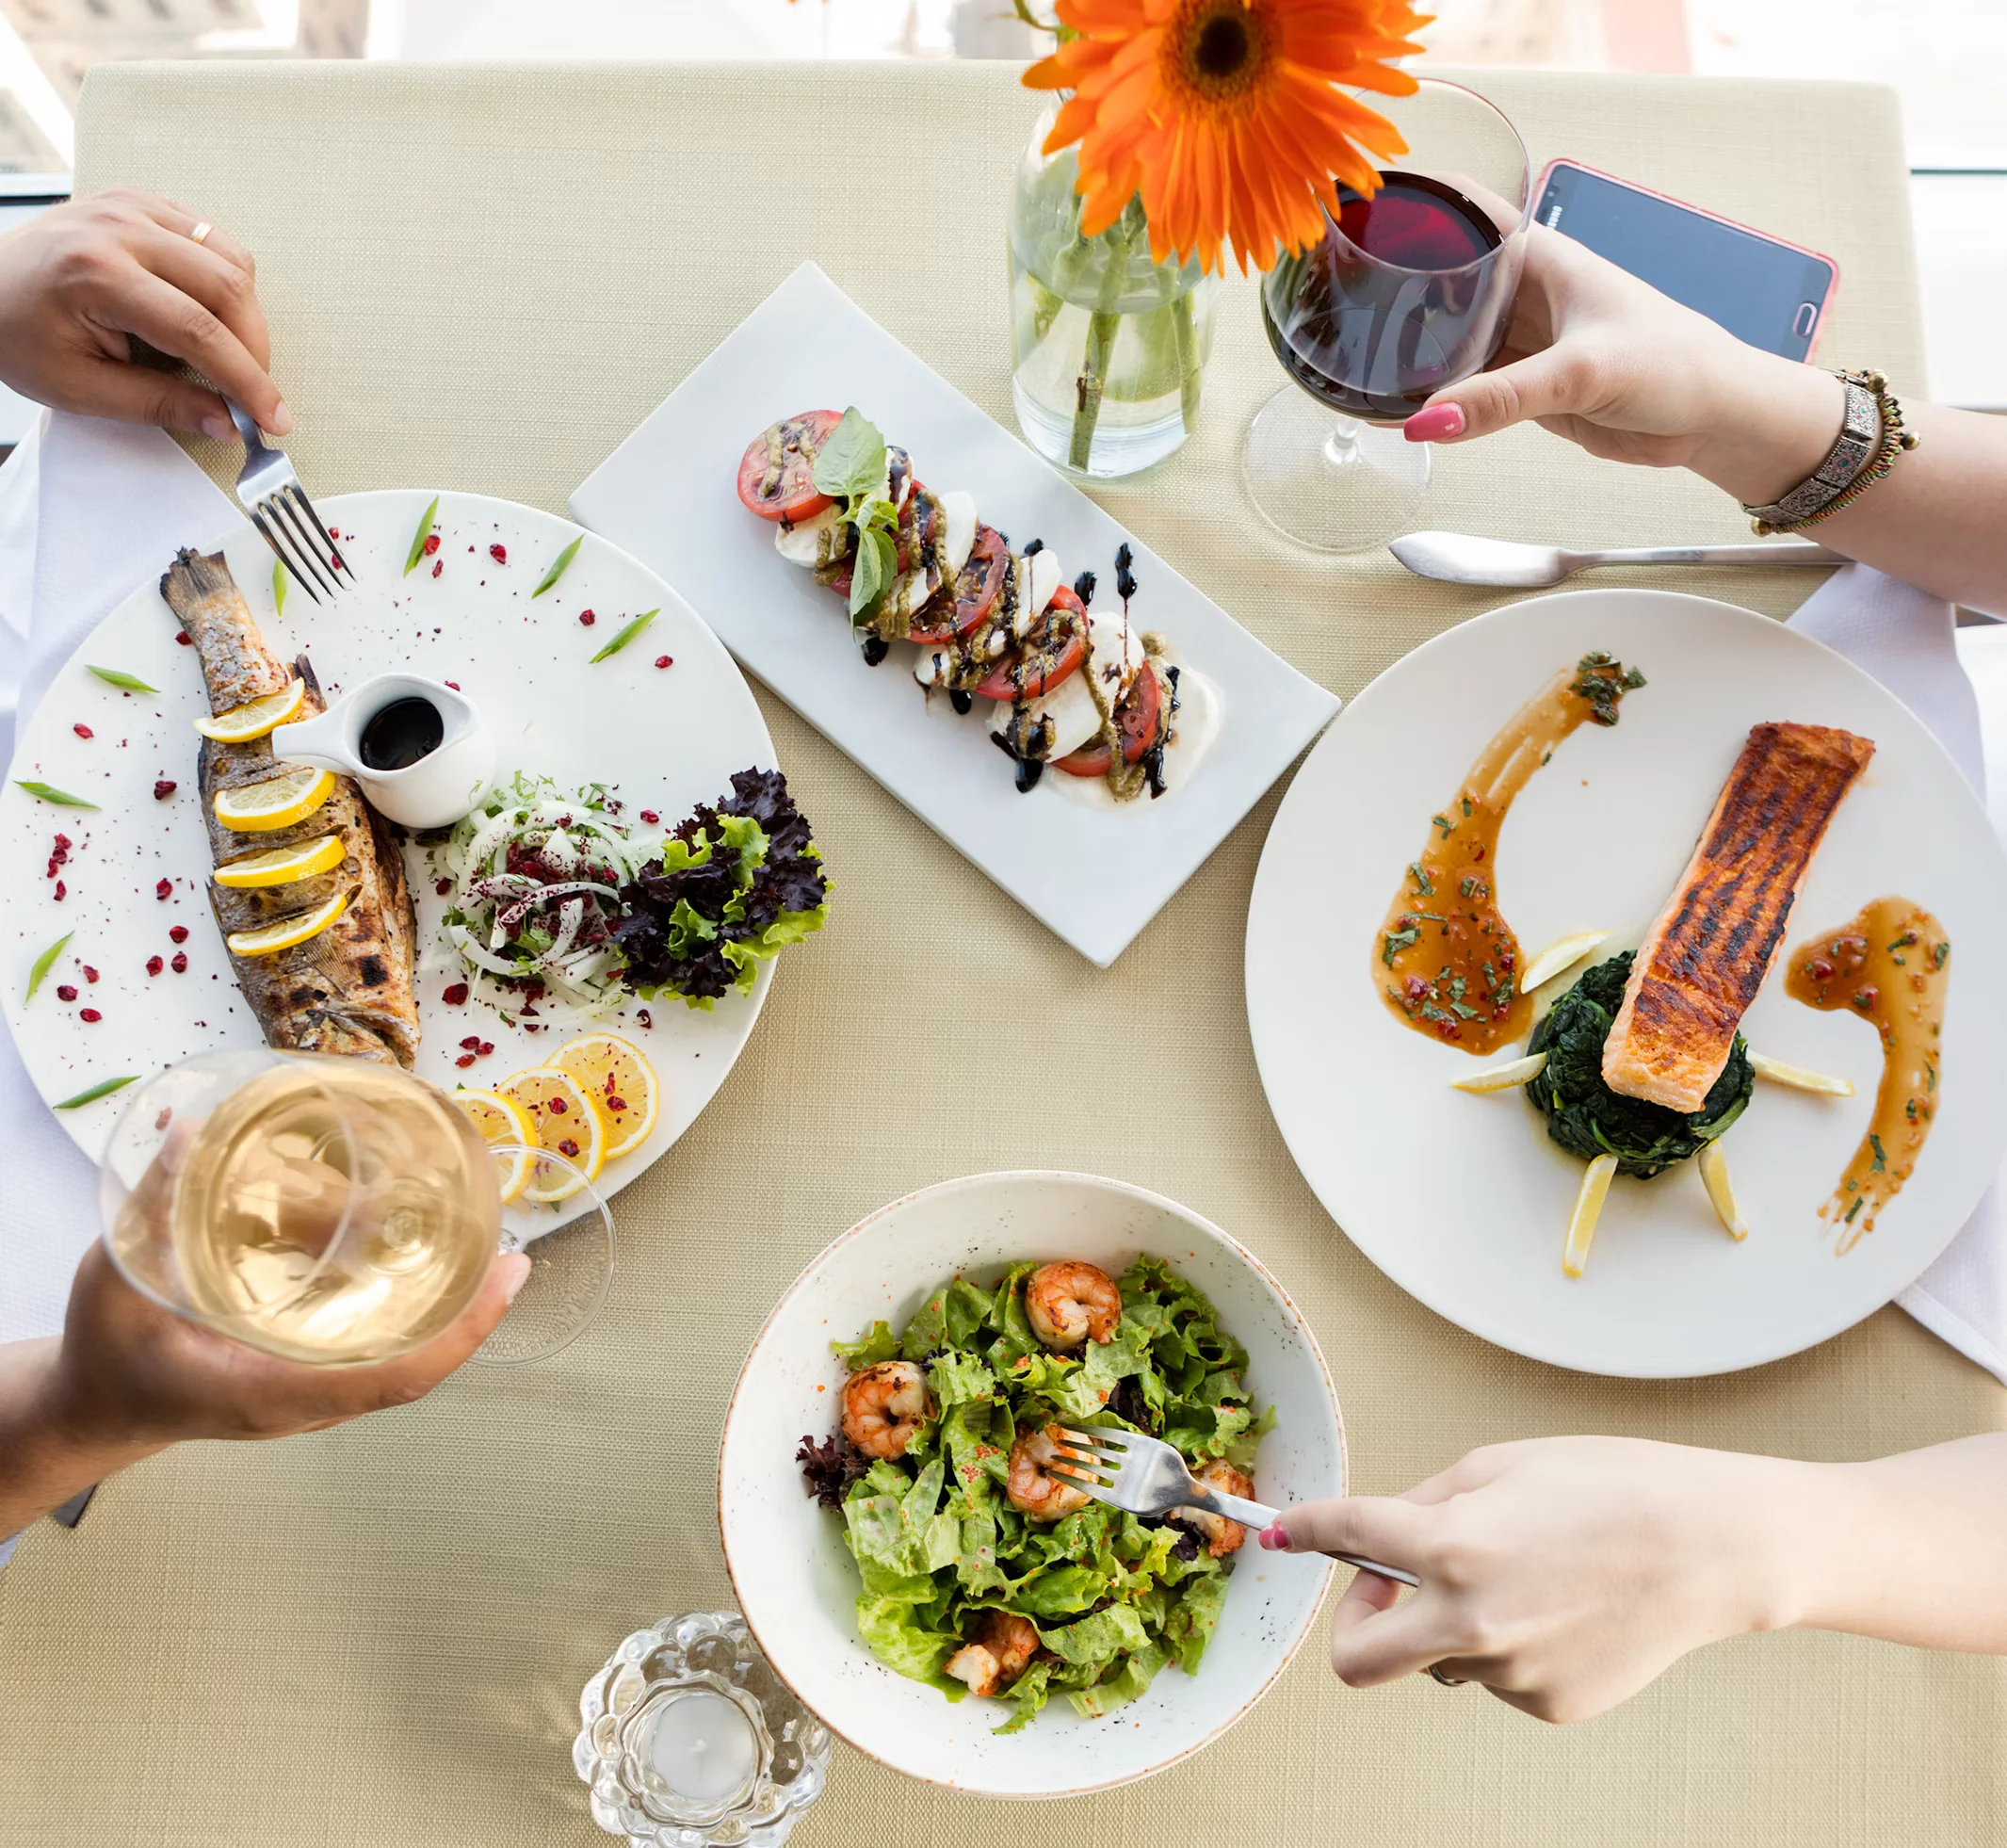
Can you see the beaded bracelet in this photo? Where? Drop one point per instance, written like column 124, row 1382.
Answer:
column 1871, row 436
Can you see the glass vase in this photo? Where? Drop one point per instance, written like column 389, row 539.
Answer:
column 1109, row 348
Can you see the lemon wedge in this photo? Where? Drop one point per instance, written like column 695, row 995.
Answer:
column 619, row 1081
column 298, row 927
column 283, row 865
column 279, row 802
column 1503, row 1077
column 1559, row 956
column 242, row 724
column 1714, row 1177
column 502, row 1119
column 1778, row 1072
column 563, row 1121
column 1588, row 1205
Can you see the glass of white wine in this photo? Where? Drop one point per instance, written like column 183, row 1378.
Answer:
column 339, row 1213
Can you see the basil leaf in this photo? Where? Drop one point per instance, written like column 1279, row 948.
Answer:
column 557, row 570
column 871, row 571
column 852, row 459
column 279, row 586
column 419, row 538
column 104, row 1088
column 132, row 683
column 49, row 793
column 626, row 635
column 43, row 964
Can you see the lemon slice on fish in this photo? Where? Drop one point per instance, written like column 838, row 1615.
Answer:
column 1503, row 1077
column 279, row 802
column 283, row 865
column 502, row 1120
column 621, row 1083
column 1559, row 956
column 287, row 932
column 1778, row 1072
column 1714, row 1177
column 1588, row 1208
column 563, row 1121
column 242, row 724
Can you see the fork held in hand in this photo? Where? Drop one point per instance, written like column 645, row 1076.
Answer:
column 1146, row 1476
column 269, row 492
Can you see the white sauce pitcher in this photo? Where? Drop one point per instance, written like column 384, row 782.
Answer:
column 433, row 792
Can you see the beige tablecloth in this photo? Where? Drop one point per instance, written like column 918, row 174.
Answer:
column 482, row 279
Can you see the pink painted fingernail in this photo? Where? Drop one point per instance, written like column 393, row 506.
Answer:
column 1275, row 1539
column 1437, row 424
column 221, row 429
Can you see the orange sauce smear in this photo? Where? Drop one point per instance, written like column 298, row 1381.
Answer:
column 1889, row 966
column 1445, row 961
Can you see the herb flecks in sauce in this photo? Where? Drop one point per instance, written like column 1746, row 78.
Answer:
column 1451, row 971
column 1889, row 965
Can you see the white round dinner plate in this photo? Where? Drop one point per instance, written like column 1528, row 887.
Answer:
column 1462, row 1199
column 793, row 1574
column 662, row 739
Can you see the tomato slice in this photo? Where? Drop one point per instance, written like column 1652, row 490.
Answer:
column 1140, row 718
column 976, row 591
column 776, row 474
column 1054, row 649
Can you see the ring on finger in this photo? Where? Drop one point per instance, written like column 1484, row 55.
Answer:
column 200, row 232
column 1434, row 1672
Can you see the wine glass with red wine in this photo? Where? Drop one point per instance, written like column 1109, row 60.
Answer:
column 1409, row 291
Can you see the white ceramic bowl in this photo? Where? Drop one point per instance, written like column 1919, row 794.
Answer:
column 794, row 1577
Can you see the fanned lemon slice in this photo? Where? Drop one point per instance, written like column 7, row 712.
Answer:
column 242, row 724
column 563, row 1121
column 1778, row 1072
column 1503, row 1077
column 1714, row 1177
column 279, row 802
column 1588, row 1207
column 622, row 1084
column 288, row 931
column 502, row 1120
column 283, row 865
column 1557, row 957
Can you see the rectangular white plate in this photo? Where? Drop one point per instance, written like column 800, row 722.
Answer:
column 1095, row 875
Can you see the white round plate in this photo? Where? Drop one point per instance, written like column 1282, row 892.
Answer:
column 1462, row 1200
column 794, row 1577
column 664, row 738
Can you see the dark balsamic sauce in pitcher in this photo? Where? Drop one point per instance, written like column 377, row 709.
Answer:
column 401, row 732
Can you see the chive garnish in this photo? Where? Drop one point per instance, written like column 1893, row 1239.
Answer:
column 104, row 1088
column 557, row 570
column 1881, row 1158
column 43, row 964
column 419, row 538
column 49, row 793
column 626, row 635
column 130, row 682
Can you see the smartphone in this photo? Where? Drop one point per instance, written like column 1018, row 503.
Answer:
column 1764, row 291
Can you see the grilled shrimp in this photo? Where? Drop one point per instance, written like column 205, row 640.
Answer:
column 1068, row 1301
column 885, row 1407
column 1031, row 1490
column 1222, row 1536
column 996, row 1650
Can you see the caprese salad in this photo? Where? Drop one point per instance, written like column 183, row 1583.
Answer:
column 1084, row 691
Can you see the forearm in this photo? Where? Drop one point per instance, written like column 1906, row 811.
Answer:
column 44, row 1458
column 1939, row 520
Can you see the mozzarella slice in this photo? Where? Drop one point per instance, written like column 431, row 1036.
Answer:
column 960, row 512
column 1038, row 577
column 812, row 542
column 1114, row 656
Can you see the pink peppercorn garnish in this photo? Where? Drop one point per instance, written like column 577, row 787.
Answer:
column 471, row 1043
column 568, row 1147
column 586, row 618
column 442, row 887
column 432, row 543
column 485, row 1047
column 499, row 554
column 155, row 964
column 649, row 816
column 66, row 993
column 455, row 995
column 63, row 843
column 62, row 891
column 90, row 1015
column 464, row 1060
column 665, row 660
column 558, row 1107
column 180, row 963
column 83, row 731
column 164, row 888
column 185, row 639
column 616, row 1103
column 163, row 789
column 454, row 684
column 438, row 565
column 89, row 973
column 179, row 933
column 642, row 1014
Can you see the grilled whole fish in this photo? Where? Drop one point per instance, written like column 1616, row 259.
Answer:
column 348, row 990
column 1706, row 956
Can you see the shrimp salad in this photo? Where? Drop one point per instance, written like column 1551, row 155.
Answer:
column 982, row 1571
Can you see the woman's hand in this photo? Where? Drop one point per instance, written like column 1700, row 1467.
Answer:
column 80, row 281
column 1600, row 358
column 1566, row 1573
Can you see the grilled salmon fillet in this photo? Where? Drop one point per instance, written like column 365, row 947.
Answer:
column 348, row 990
column 1704, row 958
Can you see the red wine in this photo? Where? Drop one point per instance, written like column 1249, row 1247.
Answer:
column 1407, row 296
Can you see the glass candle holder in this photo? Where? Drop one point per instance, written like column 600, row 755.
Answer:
column 688, row 1738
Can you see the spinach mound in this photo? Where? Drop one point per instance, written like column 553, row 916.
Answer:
column 1587, row 1118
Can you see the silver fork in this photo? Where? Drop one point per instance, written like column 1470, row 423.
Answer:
column 1146, row 1476
column 269, row 492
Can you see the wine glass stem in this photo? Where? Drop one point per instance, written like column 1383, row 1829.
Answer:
column 1341, row 447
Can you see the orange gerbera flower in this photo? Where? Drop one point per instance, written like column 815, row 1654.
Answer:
column 1225, row 114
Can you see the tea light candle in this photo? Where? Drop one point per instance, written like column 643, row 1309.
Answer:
column 702, row 1747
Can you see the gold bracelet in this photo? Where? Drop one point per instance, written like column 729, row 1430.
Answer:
column 1820, row 497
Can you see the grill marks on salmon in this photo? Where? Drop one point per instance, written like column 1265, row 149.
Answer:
column 350, row 989
column 1704, row 958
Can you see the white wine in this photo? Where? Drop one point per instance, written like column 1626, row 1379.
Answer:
column 333, row 1211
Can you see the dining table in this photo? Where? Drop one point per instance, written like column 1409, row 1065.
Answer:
column 482, row 278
